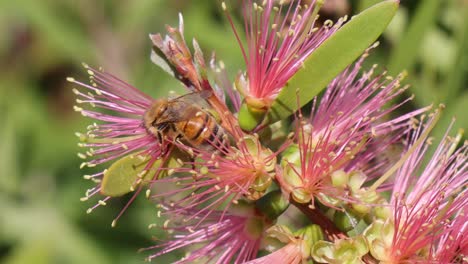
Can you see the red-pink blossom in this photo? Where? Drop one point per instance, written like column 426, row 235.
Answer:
column 279, row 38
column 429, row 198
column 233, row 238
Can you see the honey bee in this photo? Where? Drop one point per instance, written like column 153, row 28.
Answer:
column 186, row 118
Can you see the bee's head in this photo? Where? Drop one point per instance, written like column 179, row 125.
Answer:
column 154, row 112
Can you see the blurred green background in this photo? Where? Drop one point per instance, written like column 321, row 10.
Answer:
column 43, row 42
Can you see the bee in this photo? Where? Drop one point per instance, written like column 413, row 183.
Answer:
column 186, row 118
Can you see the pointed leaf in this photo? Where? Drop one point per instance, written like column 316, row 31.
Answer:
column 122, row 175
column 332, row 57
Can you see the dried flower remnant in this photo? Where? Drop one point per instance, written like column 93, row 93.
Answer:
column 172, row 55
column 279, row 39
column 425, row 205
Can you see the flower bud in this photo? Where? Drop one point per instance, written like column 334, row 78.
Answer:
column 345, row 221
column 309, row 235
column 250, row 116
column 272, row 205
column 339, row 178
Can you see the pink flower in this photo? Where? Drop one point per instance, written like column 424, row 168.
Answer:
column 221, row 178
column 119, row 130
column 289, row 254
column 426, row 200
column 279, row 39
column 344, row 132
column 233, row 239
column 453, row 244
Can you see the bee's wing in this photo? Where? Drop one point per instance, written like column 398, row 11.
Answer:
column 185, row 107
column 196, row 98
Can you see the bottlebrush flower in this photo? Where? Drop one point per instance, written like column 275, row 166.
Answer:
column 220, row 178
column 348, row 119
column 120, row 131
column 279, row 39
column 426, row 202
column 453, row 245
column 222, row 236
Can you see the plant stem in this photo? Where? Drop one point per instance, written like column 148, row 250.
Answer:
column 317, row 217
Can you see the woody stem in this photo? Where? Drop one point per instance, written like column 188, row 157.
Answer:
column 317, row 217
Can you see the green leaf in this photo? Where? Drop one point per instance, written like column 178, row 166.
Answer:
column 124, row 175
column 332, row 57
column 121, row 177
column 405, row 54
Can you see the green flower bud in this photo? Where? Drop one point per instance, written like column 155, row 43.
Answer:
column 272, row 205
column 345, row 221
column 250, row 117
column 339, row 178
column 309, row 235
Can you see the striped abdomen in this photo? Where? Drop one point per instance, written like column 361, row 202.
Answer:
column 202, row 131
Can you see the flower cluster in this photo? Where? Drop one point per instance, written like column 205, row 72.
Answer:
column 356, row 168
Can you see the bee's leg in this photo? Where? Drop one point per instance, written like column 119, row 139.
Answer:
column 160, row 137
column 192, row 160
